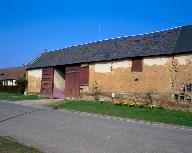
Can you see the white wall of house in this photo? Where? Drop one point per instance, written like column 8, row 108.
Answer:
column 9, row 82
column 14, row 82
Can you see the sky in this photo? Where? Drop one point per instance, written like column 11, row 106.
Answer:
column 28, row 27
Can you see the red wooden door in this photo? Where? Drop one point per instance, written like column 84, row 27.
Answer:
column 47, row 81
column 72, row 82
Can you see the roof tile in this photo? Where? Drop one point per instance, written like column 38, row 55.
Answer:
column 177, row 40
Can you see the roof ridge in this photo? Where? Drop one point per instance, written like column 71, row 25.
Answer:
column 36, row 58
column 15, row 67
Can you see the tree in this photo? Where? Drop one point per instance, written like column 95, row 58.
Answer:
column 1, row 83
column 21, row 82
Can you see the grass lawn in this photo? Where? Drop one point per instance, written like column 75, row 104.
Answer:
column 10, row 146
column 16, row 96
column 148, row 114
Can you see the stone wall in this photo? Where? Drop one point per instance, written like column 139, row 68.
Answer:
column 182, row 80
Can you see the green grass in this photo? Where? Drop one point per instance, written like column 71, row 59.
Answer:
column 148, row 114
column 16, row 96
column 10, row 146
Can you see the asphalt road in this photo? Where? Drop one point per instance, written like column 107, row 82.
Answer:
column 67, row 132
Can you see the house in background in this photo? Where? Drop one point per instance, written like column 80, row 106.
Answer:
column 8, row 76
column 157, row 63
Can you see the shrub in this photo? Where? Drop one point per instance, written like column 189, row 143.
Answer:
column 21, row 82
column 132, row 103
column 152, row 106
column 140, row 105
column 96, row 92
column 9, row 89
column 149, row 98
column 118, row 103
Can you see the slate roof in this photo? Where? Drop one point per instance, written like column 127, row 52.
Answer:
column 12, row 73
column 167, row 42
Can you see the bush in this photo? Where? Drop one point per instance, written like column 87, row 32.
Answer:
column 118, row 103
column 1, row 84
column 149, row 98
column 21, row 82
column 9, row 89
column 96, row 92
column 140, row 105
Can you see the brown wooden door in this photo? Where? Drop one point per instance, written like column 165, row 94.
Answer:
column 72, row 82
column 47, row 81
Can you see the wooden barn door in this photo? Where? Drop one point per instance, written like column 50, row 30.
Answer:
column 72, row 82
column 47, row 81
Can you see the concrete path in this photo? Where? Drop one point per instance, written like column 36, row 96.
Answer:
column 39, row 103
column 66, row 132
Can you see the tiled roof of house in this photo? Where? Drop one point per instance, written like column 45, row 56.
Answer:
column 12, row 73
column 167, row 42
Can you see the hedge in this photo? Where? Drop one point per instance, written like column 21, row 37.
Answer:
column 11, row 89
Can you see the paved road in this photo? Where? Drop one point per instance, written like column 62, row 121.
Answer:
column 67, row 132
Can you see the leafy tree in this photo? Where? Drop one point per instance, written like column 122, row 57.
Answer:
column 21, row 82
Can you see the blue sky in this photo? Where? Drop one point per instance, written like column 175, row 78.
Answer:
column 27, row 27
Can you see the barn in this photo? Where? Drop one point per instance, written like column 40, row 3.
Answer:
column 156, row 63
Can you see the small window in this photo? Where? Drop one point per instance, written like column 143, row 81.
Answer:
column 189, row 87
column 136, row 65
column 176, row 97
column 182, row 97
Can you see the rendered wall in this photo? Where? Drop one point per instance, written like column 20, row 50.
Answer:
column 34, row 81
column 117, row 77
column 164, row 76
